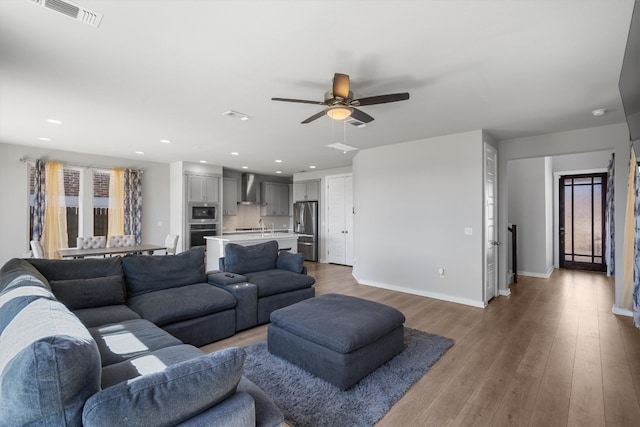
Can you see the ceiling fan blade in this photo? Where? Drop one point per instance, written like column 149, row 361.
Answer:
column 381, row 99
column 341, row 85
column 300, row 101
column 361, row 115
column 314, row 117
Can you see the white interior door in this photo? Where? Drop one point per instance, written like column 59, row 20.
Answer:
column 348, row 213
column 490, row 222
column 340, row 220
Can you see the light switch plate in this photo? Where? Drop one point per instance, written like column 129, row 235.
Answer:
column 468, row 231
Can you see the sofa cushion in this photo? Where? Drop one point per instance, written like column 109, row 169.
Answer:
column 177, row 304
column 88, row 293
column 92, row 317
column 291, row 262
column 64, row 269
column 246, row 259
column 153, row 361
column 272, row 282
column 168, row 397
column 144, row 273
column 17, row 268
column 131, row 338
column 49, row 364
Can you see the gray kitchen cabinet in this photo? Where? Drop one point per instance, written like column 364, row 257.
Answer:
column 203, row 188
column 306, row 190
column 275, row 199
column 229, row 196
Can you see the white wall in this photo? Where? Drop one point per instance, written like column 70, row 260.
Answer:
column 412, row 202
column 14, row 193
column 526, row 189
column 613, row 138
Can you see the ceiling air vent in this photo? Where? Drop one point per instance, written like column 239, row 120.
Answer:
column 342, row 147
column 356, row 123
column 72, row 10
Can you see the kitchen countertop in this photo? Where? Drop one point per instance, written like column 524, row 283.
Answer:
column 232, row 232
column 253, row 236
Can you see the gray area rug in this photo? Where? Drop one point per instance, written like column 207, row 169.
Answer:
column 307, row 401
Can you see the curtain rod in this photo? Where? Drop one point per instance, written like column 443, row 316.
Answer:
column 77, row 165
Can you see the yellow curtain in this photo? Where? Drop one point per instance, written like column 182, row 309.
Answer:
column 115, row 225
column 628, row 254
column 54, row 235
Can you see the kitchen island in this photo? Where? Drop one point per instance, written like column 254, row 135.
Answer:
column 216, row 244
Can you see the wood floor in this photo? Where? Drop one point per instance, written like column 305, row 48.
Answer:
column 550, row 354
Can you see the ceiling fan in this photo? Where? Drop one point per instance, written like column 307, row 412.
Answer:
column 340, row 103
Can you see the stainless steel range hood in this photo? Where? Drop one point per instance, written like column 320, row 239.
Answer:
column 249, row 187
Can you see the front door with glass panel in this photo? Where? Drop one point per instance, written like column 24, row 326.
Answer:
column 582, row 204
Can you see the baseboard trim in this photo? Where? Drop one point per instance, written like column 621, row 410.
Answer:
column 504, row 292
column 538, row 275
column 434, row 295
column 621, row 311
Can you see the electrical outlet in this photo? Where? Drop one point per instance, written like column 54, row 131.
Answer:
column 468, row 231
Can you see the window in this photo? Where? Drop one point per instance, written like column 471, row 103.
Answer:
column 72, row 183
column 100, row 202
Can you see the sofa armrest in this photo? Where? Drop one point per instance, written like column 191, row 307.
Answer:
column 225, row 279
column 168, row 397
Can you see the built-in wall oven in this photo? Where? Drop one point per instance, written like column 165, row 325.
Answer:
column 197, row 233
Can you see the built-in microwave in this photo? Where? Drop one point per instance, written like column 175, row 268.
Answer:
column 202, row 212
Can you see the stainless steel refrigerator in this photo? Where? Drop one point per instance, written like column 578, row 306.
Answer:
column 305, row 224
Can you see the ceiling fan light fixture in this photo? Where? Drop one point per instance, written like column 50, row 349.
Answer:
column 339, row 112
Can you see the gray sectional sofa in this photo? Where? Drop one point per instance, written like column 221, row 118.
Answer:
column 112, row 342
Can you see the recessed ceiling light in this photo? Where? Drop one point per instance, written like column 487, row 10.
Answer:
column 203, row 161
column 139, row 152
column 245, row 167
column 278, row 171
column 312, row 167
column 54, row 121
column 599, row 112
column 235, row 153
column 278, row 161
column 44, row 139
column 165, row 141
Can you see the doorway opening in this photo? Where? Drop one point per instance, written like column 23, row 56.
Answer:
column 582, row 221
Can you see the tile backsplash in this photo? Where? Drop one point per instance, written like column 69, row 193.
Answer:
column 248, row 216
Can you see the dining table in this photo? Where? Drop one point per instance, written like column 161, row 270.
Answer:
column 81, row 253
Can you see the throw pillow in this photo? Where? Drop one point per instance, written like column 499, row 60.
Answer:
column 248, row 259
column 290, row 262
column 171, row 396
column 144, row 273
column 89, row 293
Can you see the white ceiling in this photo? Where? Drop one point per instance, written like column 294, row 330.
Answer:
column 169, row 69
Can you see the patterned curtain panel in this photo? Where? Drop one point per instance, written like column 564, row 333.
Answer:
column 636, row 247
column 610, row 249
column 133, row 204
column 39, row 200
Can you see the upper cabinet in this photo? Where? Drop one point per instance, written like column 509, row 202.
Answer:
column 306, row 190
column 229, row 196
column 203, row 188
column 275, row 199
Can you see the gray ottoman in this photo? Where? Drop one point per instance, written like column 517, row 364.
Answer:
column 338, row 338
